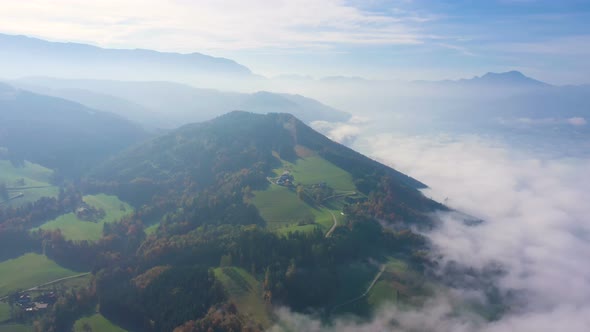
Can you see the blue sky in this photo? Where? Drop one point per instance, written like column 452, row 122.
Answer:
column 401, row 39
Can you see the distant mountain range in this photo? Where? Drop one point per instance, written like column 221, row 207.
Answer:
column 25, row 56
column 168, row 105
column 509, row 78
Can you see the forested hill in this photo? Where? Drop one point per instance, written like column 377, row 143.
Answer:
column 60, row 134
column 250, row 146
column 234, row 141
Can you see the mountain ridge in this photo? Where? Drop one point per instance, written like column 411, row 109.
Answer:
column 49, row 130
column 27, row 56
column 170, row 104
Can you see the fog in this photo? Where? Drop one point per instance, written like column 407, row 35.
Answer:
column 536, row 228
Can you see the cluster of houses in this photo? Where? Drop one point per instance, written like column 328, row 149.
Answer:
column 41, row 302
column 89, row 213
column 286, row 179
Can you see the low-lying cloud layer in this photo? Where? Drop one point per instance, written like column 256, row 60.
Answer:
column 537, row 227
column 537, row 220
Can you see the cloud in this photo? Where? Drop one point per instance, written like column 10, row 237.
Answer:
column 537, row 223
column 199, row 25
column 340, row 132
column 536, row 227
column 440, row 318
column 577, row 121
column 574, row 121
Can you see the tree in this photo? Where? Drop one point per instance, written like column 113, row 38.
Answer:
column 300, row 191
column 225, row 261
column 86, row 327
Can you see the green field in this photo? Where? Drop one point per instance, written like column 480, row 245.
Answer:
column 245, row 291
column 280, row 205
column 15, row 328
column 75, row 229
column 355, row 279
column 383, row 292
column 4, row 312
column 28, row 271
column 151, row 229
column 314, row 169
column 97, row 323
column 17, row 179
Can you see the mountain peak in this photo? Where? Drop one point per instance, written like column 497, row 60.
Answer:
column 509, row 77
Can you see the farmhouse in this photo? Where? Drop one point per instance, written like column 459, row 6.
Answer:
column 286, row 179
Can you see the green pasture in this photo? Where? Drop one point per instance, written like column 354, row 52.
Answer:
column 75, row 229
column 245, row 291
column 28, row 271
column 97, row 323
column 20, row 179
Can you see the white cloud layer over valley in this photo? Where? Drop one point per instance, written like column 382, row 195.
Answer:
column 536, row 227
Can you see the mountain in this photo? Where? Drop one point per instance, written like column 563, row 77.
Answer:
column 506, row 80
column 168, row 105
column 510, row 78
column 25, row 56
column 270, row 137
column 219, row 223
column 279, row 213
column 60, row 134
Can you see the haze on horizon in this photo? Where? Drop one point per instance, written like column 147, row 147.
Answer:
column 399, row 40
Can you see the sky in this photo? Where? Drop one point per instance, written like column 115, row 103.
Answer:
column 379, row 39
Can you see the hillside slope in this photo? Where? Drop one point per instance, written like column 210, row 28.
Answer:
column 249, row 147
column 60, row 134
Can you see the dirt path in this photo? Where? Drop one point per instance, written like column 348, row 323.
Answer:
column 381, row 270
column 334, row 225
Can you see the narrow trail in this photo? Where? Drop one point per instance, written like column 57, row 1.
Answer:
column 381, row 270
column 49, row 283
column 333, row 226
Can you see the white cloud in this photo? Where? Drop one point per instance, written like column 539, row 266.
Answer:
column 344, row 133
column 537, row 220
column 537, row 227
column 577, row 121
column 204, row 25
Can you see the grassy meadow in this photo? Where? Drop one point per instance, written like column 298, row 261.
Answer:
column 245, row 291
column 20, row 180
column 98, row 323
column 29, row 270
column 314, row 169
column 4, row 312
column 15, row 328
column 281, row 207
column 75, row 229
